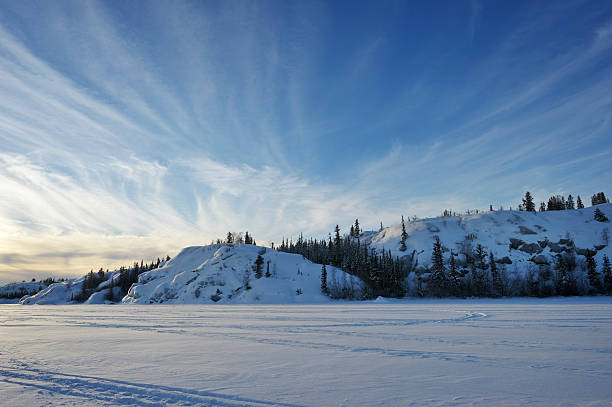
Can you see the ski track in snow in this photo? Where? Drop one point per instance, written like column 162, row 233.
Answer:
column 118, row 392
column 423, row 353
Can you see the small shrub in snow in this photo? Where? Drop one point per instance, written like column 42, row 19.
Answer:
column 599, row 216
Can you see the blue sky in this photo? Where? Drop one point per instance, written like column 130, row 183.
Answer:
column 131, row 129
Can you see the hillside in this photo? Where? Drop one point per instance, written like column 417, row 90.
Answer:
column 519, row 236
column 523, row 243
column 221, row 274
column 11, row 293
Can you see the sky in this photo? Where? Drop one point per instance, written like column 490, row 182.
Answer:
column 129, row 130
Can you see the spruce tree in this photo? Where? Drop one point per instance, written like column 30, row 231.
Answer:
column 258, row 270
column 579, row 204
column 453, row 276
column 607, row 275
column 598, row 199
column 569, row 204
column 528, row 204
column 324, row 289
column 593, row 275
column 229, row 238
column 496, row 289
column 357, row 228
column 542, row 207
column 268, row 269
column 599, row 216
column 404, row 236
column 438, row 279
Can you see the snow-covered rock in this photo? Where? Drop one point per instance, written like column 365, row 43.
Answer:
column 11, row 293
column 221, row 274
column 511, row 235
column 57, row 293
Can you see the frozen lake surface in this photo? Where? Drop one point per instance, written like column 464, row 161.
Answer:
column 473, row 352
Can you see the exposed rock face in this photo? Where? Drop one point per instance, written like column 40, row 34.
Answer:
column 531, row 248
column 504, row 260
column 585, row 252
column 516, row 243
column 526, row 231
column 540, row 259
column 555, row 247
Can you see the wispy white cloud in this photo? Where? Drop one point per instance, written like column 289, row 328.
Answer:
column 118, row 146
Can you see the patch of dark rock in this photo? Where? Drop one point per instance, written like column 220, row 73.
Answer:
column 555, row 247
column 540, row 259
column 433, row 228
column 531, row 248
column 585, row 252
column 526, row 231
column 515, row 243
column 504, row 260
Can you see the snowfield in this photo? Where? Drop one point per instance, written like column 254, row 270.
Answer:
column 537, row 352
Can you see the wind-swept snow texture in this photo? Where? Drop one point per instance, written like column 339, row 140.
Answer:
column 227, row 274
column 536, row 352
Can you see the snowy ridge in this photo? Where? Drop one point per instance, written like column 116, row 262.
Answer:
column 64, row 292
column 521, row 241
column 519, row 236
column 11, row 293
column 219, row 274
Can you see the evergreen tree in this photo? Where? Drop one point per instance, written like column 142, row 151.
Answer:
column 404, row 236
column 542, row 207
column 528, row 204
column 579, row 204
column 599, row 216
column 111, row 291
column 324, row 289
column 258, row 270
column 357, row 228
column 556, row 203
column 381, row 227
column 479, row 267
column 438, row 280
column 607, row 275
column 229, row 238
column 268, row 269
column 497, row 288
column 453, row 276
column 594, row 278
column 598, row 199
column 570, row 202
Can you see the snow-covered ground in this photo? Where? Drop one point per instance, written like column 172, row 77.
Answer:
column 552, row 352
